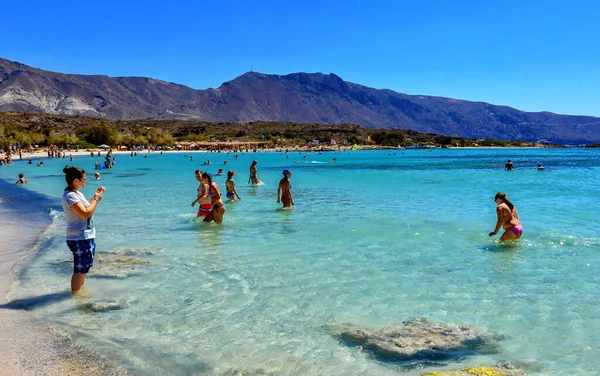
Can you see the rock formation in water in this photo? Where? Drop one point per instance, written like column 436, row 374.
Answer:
column 416, row 339
column 501, row 369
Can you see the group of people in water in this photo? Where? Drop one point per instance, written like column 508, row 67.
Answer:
column 509, row 166
column 81, row 233
column 209, row 198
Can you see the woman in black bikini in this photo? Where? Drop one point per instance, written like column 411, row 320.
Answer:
column 253, row 173
column 218, row 210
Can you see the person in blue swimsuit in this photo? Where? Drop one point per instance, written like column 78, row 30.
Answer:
column 230, row 187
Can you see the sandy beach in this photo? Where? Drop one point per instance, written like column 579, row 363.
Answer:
column 31, row 346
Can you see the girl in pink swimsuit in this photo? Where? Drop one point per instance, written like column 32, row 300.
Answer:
column 508, row 218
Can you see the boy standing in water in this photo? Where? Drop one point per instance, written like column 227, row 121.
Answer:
column 284, row 190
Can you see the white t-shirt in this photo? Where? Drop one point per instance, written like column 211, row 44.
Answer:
column 77, row 227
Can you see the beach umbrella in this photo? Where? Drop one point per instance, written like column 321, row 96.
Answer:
column 103, row 146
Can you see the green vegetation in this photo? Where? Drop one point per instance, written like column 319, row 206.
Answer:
column 387, row 137
column 493, row 143
column 83, row 132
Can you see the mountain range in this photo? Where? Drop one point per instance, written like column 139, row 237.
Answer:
column 296, row 97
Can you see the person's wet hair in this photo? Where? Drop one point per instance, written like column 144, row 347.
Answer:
column 502, row 196
column 207, row 176
column 230, row 174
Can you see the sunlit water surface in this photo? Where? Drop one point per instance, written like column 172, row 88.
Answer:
column 375, row 238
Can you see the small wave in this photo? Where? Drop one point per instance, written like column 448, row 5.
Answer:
column 186, row 215
column 572, row 240
column 132, row 175
column 56, row 214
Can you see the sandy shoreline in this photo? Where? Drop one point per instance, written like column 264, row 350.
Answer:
column 38, row 154
column 29, row 345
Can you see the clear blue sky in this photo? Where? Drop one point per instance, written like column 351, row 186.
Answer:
column 529, row 54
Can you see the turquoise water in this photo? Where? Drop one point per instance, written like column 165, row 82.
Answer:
column 376, row 238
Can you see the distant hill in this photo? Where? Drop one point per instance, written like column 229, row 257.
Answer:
column 297, row 97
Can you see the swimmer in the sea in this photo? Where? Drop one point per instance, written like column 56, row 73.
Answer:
column 21, row 180
column 253, row 178
column 508, row 218
column 230, row 187
column 218, row 208
column 284, row 190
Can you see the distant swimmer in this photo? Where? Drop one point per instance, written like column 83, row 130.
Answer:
column 334, row 160
column 509, row 166
column 21, row 180
column 508, row 218
column 220, row 172
column 230, row 187
column 284, row 190
column 540, row 167
column 253, row 178
column 97, row 175
column 40, row 164
column 202, row 197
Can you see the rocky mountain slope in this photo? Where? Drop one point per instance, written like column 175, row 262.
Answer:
column 297, row 97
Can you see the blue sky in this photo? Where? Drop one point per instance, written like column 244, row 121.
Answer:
column 531, row 55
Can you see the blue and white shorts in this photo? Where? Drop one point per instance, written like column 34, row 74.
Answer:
column 83, row 254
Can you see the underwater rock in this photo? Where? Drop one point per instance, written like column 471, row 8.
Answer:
column 501, row 369
column 247, row 372
column 105, row 306
column 415, row 339
column 127, row 260
column 128, row 252
column 111, row 266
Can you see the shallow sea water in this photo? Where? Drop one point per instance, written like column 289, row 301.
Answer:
column 376, row 238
